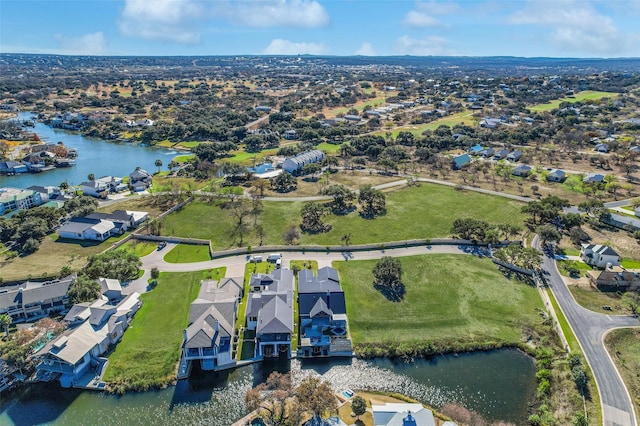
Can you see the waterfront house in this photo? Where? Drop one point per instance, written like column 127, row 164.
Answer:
column 12, row 199
column 139, row 180
column 599, row 256
column 402, row 414
column 322, row 315
column 95, row 188
column 212, row 317
column 556, row 175
column 33, row 300
column 12, row 167
column 126, row 218
column 296, row 163
column 270, row 312
column 79, row 350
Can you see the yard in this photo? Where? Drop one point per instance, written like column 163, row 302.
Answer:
column 187, row 253
column 450, row 301
column 150, row 349
column 587, row 95
column 426, row 211
column 593, row 299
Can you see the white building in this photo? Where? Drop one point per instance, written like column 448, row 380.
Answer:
column 599, row 256
column 296, row 163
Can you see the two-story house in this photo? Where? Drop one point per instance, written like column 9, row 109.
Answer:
column 599, row 256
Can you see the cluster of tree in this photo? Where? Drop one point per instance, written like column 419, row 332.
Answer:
column 312, row 214
column 479, row 230
column 116, row 264
column 279, row 403
column 523, row 257
column 284, row 182
column 373, row 202
column 547, row 210
column 256, row 143
column 211, row 151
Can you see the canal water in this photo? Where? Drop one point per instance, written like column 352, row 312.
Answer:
column 498, row 384
column 97, row 156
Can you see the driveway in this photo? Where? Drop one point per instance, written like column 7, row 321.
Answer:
column 590, row 328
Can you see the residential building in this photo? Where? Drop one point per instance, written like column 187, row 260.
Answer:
column 487, row 153
column 522, row 170
column 402, row 414
column 291, row 134
column 129, row 218
column 212, row 317
column 270, row 312
column 499, row 155
column 139, row 180
column 12, row 167
column 615, row 279
column 460, row 161
column 110, row 288
column 32, row 300
column 80, row 228
column 514, row 156
column 593, row 178
column 601, row 147
column 350, row 117
column 599, row 256
column 296, row 163
column 556, row 175
column 322, row 315
column 12, row 199
column 79, row 349
column 102, row 186
column 263, row 108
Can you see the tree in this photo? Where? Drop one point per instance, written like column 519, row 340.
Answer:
column 258, row 186
column 91, row 177
column 64, row 185
column 388, row 278
column 158, row 164
column 548, row 234
column 284, row 182
column 155, row 273
column 291, row 235
column 470, row 229
column 5, row 322
column 358, row 406
column 372, row 201
column 260, row 232
column 524, row 257
column 275, row 401
column 312, row 214
column 116, row 264
column 316, row 396
column 595, row 209
column 84, row 289
column 343, row 198
column 346, row 239
column 312, row 169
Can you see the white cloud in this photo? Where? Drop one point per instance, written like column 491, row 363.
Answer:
column 291, row 13
column 366, row 50
column 87, row 44
column 575, row 26
column 181, row 21
column 428, row 46
column 286, row 47
column 425, row 13
column 168, row 20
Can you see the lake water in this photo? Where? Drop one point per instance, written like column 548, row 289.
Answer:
column 498, row 384
column 95, row 156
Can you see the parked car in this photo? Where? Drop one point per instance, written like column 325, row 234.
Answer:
column 162, row 245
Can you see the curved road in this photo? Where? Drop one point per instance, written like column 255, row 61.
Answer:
column 590, row 328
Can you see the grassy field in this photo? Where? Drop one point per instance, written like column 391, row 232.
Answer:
column 53, row 254
column 630, row 264
column 624, row 348
column 421, row 212
column 304, row 264
column 150, row 349
column 449, row 299
column 329, row 148
column 187, row 253
column 579, row 97
column 246, row 158
column 139, row 248
column 593, row 299
column 464, row 117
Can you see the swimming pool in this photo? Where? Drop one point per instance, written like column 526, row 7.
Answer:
column 261, row 168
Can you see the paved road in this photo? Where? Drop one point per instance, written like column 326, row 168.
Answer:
column 590, row 329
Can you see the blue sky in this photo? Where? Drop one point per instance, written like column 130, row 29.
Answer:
column 555, row 28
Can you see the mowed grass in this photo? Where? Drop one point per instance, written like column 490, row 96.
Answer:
column 427, row 211
column 149, row 351
column 449, row 298
column 464, row 117
column 187, row 253
column 579, row 97
column 624, row 347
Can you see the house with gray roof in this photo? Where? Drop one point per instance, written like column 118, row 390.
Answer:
column 209, row 334
column 556, row 175
column 322, row 317
column 270, row 312
column 599, row 256
column 296, row 163
column 80, row 228
column 402, row 414
column 33, row 300
column 93, row 329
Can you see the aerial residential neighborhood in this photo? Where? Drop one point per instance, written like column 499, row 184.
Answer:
column 311, row 240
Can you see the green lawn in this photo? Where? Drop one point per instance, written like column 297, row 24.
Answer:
column 624, row 348
column 565, row 265
column 149, row 351
column 579, row 97
column 246, row 158
column 630, row 264
column 139, row 248
column 450, row 299
column 427, row 211
column 304, row 264
column 329, row 148
column 594, row 299
column 574, row 346
column 187, row 253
